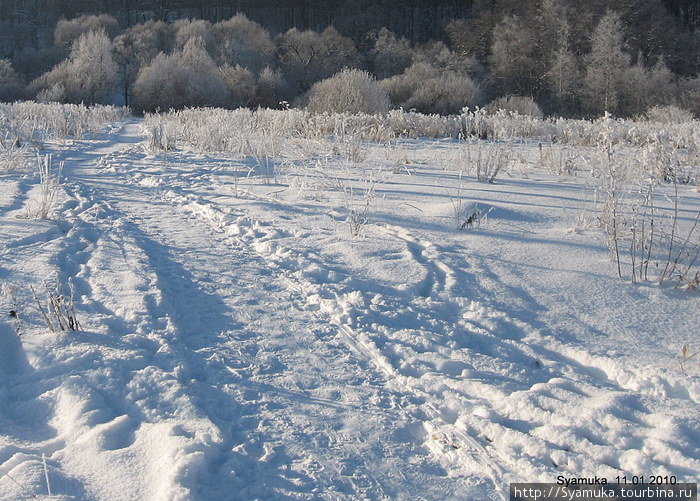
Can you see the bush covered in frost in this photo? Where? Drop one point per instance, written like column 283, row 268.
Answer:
column 349, row 91
column 524, row 106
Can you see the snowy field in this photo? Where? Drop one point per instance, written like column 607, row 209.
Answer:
column 333, row 317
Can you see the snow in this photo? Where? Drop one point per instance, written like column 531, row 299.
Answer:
column 239, row 342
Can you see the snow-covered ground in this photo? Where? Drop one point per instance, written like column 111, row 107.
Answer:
column 313, row 325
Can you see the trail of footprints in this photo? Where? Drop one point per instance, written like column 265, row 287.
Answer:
column 526, row 398
column 531, row 404
column 249, row 455
column 496, row 393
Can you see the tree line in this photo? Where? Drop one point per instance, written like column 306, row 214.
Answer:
column 568, row 59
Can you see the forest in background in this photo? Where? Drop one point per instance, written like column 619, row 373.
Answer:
column 563, row 57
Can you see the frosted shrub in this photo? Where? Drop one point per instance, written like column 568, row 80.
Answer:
column 640, row 217
column 668, row 114
column 446, row 94
column 30, row 121
column 427, row 89
column 56, row 93
column 208, row 129
column 13, row 149
column 524, row 106
column 350, row 91
column 559, row 161
column 217, row 128
column 489, row 160
column 414, row 125
column 49, row 182
column 13, row 156
column 504, row 125
column 358, row 204
column 159, row 139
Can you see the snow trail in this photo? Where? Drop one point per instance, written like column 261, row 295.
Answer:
column 521, row 400
column 197, row 377
column 224, row 357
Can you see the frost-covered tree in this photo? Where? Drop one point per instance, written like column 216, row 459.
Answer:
column 309, row 56
column 606, row 65
column 689, row 94
column 241, row 85
column 472, row 37
column 144, row 41
column 67, row 31
column 31, row 62
column 137, row 47
column 440, row 56
column 551, row 39
column 511, row 59
column 187, row 29
column 127, row 63
column 402, row 87
column 563, row 76
column 646, row 87
column 349, row 91
column 338, row 49
column 89, row 75
column 184, row 78
column 7, row 41
column 390, row 55
column 243, row 42
column 11, row 86
column 272, row 89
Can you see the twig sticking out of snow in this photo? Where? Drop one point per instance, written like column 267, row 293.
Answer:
column 46, row 474
column 24, row 488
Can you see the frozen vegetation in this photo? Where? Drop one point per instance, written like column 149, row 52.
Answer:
column 235, row 304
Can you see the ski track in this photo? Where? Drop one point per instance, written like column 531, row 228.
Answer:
column 221, row 361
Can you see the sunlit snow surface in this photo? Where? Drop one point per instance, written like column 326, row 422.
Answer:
column 240, row 342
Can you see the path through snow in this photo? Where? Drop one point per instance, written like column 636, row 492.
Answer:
column 224, row 358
